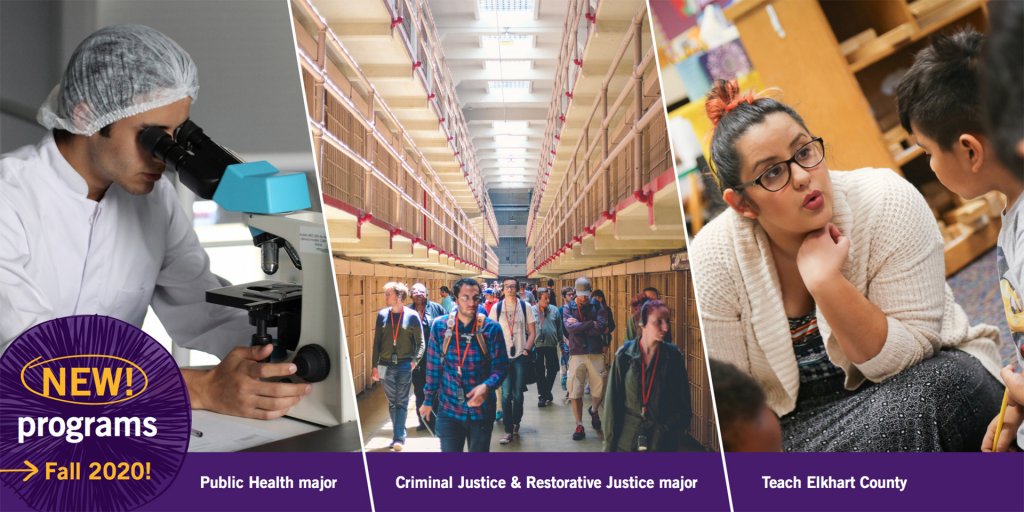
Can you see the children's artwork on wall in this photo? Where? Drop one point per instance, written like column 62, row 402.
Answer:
column 677, row 16
column 695, row 77
column 726, row 62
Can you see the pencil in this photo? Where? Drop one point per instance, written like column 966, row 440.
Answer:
column 999, row 422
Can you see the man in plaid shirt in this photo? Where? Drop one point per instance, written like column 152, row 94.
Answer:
column 464, row 374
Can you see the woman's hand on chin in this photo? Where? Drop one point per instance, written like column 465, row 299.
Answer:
column 821, row 256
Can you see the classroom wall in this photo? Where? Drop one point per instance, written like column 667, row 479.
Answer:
column 235, row 45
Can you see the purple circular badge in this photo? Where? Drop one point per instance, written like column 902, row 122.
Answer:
column 94, row 415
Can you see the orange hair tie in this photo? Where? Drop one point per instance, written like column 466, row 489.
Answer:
column 747, row 98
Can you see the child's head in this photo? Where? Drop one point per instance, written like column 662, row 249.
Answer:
column 747, row 424
column 940, row 103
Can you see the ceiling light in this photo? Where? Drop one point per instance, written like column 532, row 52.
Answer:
column 508, row 87
column 506, row 11
column 506, row 6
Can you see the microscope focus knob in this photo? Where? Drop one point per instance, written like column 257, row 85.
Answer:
column 312, row 363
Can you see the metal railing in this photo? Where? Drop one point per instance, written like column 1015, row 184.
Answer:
column 623, row 143
column 368, row 161
column 429, row 65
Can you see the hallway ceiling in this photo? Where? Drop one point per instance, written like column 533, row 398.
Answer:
column 502, row 55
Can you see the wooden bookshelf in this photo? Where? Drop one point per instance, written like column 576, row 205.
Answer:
column 848, row 98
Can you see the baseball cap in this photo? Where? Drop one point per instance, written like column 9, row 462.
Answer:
column 583, row 287
column 419, row 289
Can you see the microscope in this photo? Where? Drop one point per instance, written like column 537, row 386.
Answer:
column 295, row 309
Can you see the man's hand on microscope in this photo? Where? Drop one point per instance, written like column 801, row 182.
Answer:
column 235, row 387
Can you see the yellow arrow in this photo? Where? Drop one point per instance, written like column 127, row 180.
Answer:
column 31, row 470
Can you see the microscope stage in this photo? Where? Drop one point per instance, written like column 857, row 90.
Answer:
column 256, row 294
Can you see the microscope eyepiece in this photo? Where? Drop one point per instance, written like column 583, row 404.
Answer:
column 199, row 162
column 156, row 142
column 189, row 134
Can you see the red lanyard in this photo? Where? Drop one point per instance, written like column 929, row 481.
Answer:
column 394, row 331
column 459, row 355
column 512, row 321
column 645, row 385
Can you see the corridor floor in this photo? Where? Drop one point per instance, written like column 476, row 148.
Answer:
column 543, row 429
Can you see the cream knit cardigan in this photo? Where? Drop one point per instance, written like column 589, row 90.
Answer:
column 895, row 260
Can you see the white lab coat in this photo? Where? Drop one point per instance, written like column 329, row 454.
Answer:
column 63, row 254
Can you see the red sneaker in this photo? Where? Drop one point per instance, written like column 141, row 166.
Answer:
column 579, row 434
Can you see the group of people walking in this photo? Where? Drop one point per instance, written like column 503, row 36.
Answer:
column 469, row 362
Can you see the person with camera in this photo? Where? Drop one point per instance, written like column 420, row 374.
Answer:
column 647, row 403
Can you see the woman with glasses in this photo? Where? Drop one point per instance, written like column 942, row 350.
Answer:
column 829, row 289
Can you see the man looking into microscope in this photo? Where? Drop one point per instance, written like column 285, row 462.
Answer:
column 89, row 227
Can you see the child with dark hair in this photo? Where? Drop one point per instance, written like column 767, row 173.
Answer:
column 1002, row 74
column 940, row 102
column 829, row 288
column 746, row 421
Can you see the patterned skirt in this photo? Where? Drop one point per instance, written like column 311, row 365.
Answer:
column 944, row 403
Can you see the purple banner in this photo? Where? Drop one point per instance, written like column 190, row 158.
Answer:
column 567, row 481
column 877, row 481
column 94, row 415
column 547, row 481
column 275, row 482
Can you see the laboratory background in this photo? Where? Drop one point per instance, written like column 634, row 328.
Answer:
column 234, row 46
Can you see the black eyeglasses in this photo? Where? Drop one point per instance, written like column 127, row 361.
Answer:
column 777, row 175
